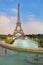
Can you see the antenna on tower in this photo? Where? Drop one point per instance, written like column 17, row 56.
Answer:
column 18, row 12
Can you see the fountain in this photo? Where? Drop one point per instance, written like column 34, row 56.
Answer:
column 27, row 47
column 25, row 43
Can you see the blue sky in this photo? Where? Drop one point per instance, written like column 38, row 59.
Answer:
column 31, row 13
column 27, row 7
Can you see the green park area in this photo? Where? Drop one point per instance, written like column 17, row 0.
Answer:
column 4, row 37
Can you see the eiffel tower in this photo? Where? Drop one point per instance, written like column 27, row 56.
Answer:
column 18, row 24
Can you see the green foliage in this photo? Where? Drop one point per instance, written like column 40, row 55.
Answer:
column 10, row 41
column 40, row 42
column 37, row 40
column 3, row 36
column 39, row 36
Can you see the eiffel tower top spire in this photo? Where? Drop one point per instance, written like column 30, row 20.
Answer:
column 18, row 20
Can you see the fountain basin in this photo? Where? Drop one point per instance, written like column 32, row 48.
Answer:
column 26, row 46
column 25, row 43
column 22, row 47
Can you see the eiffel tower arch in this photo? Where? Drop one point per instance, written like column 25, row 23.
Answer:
column 18, row 24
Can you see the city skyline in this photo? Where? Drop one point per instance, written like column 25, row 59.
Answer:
column 31, row 15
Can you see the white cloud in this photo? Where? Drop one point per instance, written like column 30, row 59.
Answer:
column 4, row 19
column 7, row 24
column 14, row 10
column 33, row 26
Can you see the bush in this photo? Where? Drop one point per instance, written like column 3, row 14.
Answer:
column 9, row 41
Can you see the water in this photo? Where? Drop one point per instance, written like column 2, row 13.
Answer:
column 25, row 43
column 17, row 58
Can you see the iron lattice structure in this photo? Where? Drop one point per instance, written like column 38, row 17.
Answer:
column 18, row 24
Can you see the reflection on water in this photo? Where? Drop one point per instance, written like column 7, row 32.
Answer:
column 15, row 58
